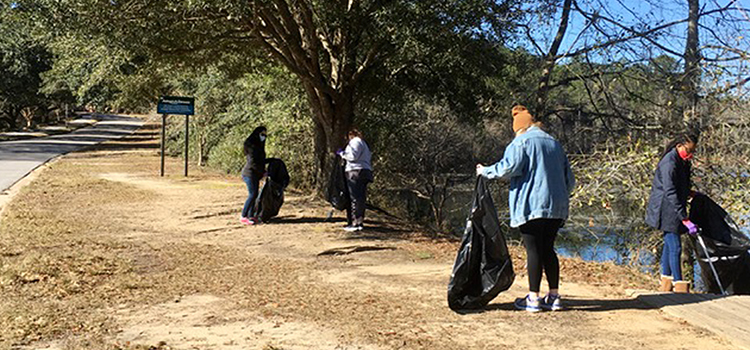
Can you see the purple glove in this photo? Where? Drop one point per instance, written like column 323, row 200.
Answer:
column 692, row 228
column 340, row 152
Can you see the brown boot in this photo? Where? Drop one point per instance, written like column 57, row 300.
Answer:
column 666, row 284
column 681, row 287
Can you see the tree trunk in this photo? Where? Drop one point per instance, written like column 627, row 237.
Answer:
column 333, row 117
column 202, row 156
column 549, row 62
column 691, row 77
column 323, row 54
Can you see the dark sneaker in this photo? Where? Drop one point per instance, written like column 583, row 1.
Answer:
column 527, row 304
column 552, row 303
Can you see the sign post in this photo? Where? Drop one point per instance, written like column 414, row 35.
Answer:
column 163, row 139
column 175, row 105
column 187, row 140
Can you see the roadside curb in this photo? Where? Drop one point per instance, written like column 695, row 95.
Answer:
column 7, row 196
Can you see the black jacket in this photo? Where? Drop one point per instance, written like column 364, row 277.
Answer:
column 255, row 154
column 669, row 194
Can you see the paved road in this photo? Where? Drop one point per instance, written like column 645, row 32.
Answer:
column 18, row 158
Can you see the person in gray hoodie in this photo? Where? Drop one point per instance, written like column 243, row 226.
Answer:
column 358, row 174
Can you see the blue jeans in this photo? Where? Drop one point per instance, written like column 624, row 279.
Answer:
column 252, row 192
column 670, row 256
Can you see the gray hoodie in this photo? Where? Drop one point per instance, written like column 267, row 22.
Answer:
column 357, row 155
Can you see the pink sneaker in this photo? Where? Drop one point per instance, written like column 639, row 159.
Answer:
column 255, row 221
column 246, row 221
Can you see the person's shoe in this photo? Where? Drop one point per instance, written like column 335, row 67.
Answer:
column 666, row 284
column 552, row 303
column 527, row 304
column 352, row 228
column 245, row 221
column 681, row 287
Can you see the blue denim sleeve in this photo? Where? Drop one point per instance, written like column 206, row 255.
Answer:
column 511, row 165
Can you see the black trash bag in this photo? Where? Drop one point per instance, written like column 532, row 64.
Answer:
column 277, row 171
column 483, row 267
column 338, row 192
column 727, row 247
column 271, row 195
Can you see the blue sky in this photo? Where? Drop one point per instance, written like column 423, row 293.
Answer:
column 733, row 34
column 633, row 12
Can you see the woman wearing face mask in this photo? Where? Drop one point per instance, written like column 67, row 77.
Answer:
column 255, row 166
column 667, row 207
column 540, row 185
column 358, row 175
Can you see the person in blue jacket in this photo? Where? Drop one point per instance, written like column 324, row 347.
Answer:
column 541, row 182
column 667, row 207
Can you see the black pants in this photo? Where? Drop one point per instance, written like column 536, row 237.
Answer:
column 356, row 181
column 539, row 238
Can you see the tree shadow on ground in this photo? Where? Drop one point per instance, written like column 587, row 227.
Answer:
column 288, row 219
column 641, row 302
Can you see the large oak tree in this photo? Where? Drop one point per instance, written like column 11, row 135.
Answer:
column 330, row 45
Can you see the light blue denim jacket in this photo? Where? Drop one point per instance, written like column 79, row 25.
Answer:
column 540, row 177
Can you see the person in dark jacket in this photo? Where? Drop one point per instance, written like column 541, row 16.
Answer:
column 254, row 149
column 667, row 207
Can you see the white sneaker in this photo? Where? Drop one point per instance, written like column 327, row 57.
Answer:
column 552, row 303
column 528, row 304
column 353, row 228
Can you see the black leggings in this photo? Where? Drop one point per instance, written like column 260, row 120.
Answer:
column 539, row 238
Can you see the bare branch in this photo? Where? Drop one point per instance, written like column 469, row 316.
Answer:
column 527, row 30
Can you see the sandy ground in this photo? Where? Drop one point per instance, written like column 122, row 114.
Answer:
column 99, row 252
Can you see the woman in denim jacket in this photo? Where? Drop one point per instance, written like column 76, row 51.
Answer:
column 540, row 185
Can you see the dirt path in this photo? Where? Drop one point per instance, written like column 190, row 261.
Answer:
column 99, row 252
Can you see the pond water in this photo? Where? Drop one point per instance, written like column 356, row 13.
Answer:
column 621, row 240
column 582, row 236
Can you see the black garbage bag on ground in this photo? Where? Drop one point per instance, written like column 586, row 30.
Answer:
column 271, row 195
column 338, row 192
column 483, row 267
column 727, row 247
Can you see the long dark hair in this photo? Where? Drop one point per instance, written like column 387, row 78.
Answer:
column 253, row 140
column 682, row 138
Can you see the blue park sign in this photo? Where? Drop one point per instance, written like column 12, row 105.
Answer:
column 176, row 105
